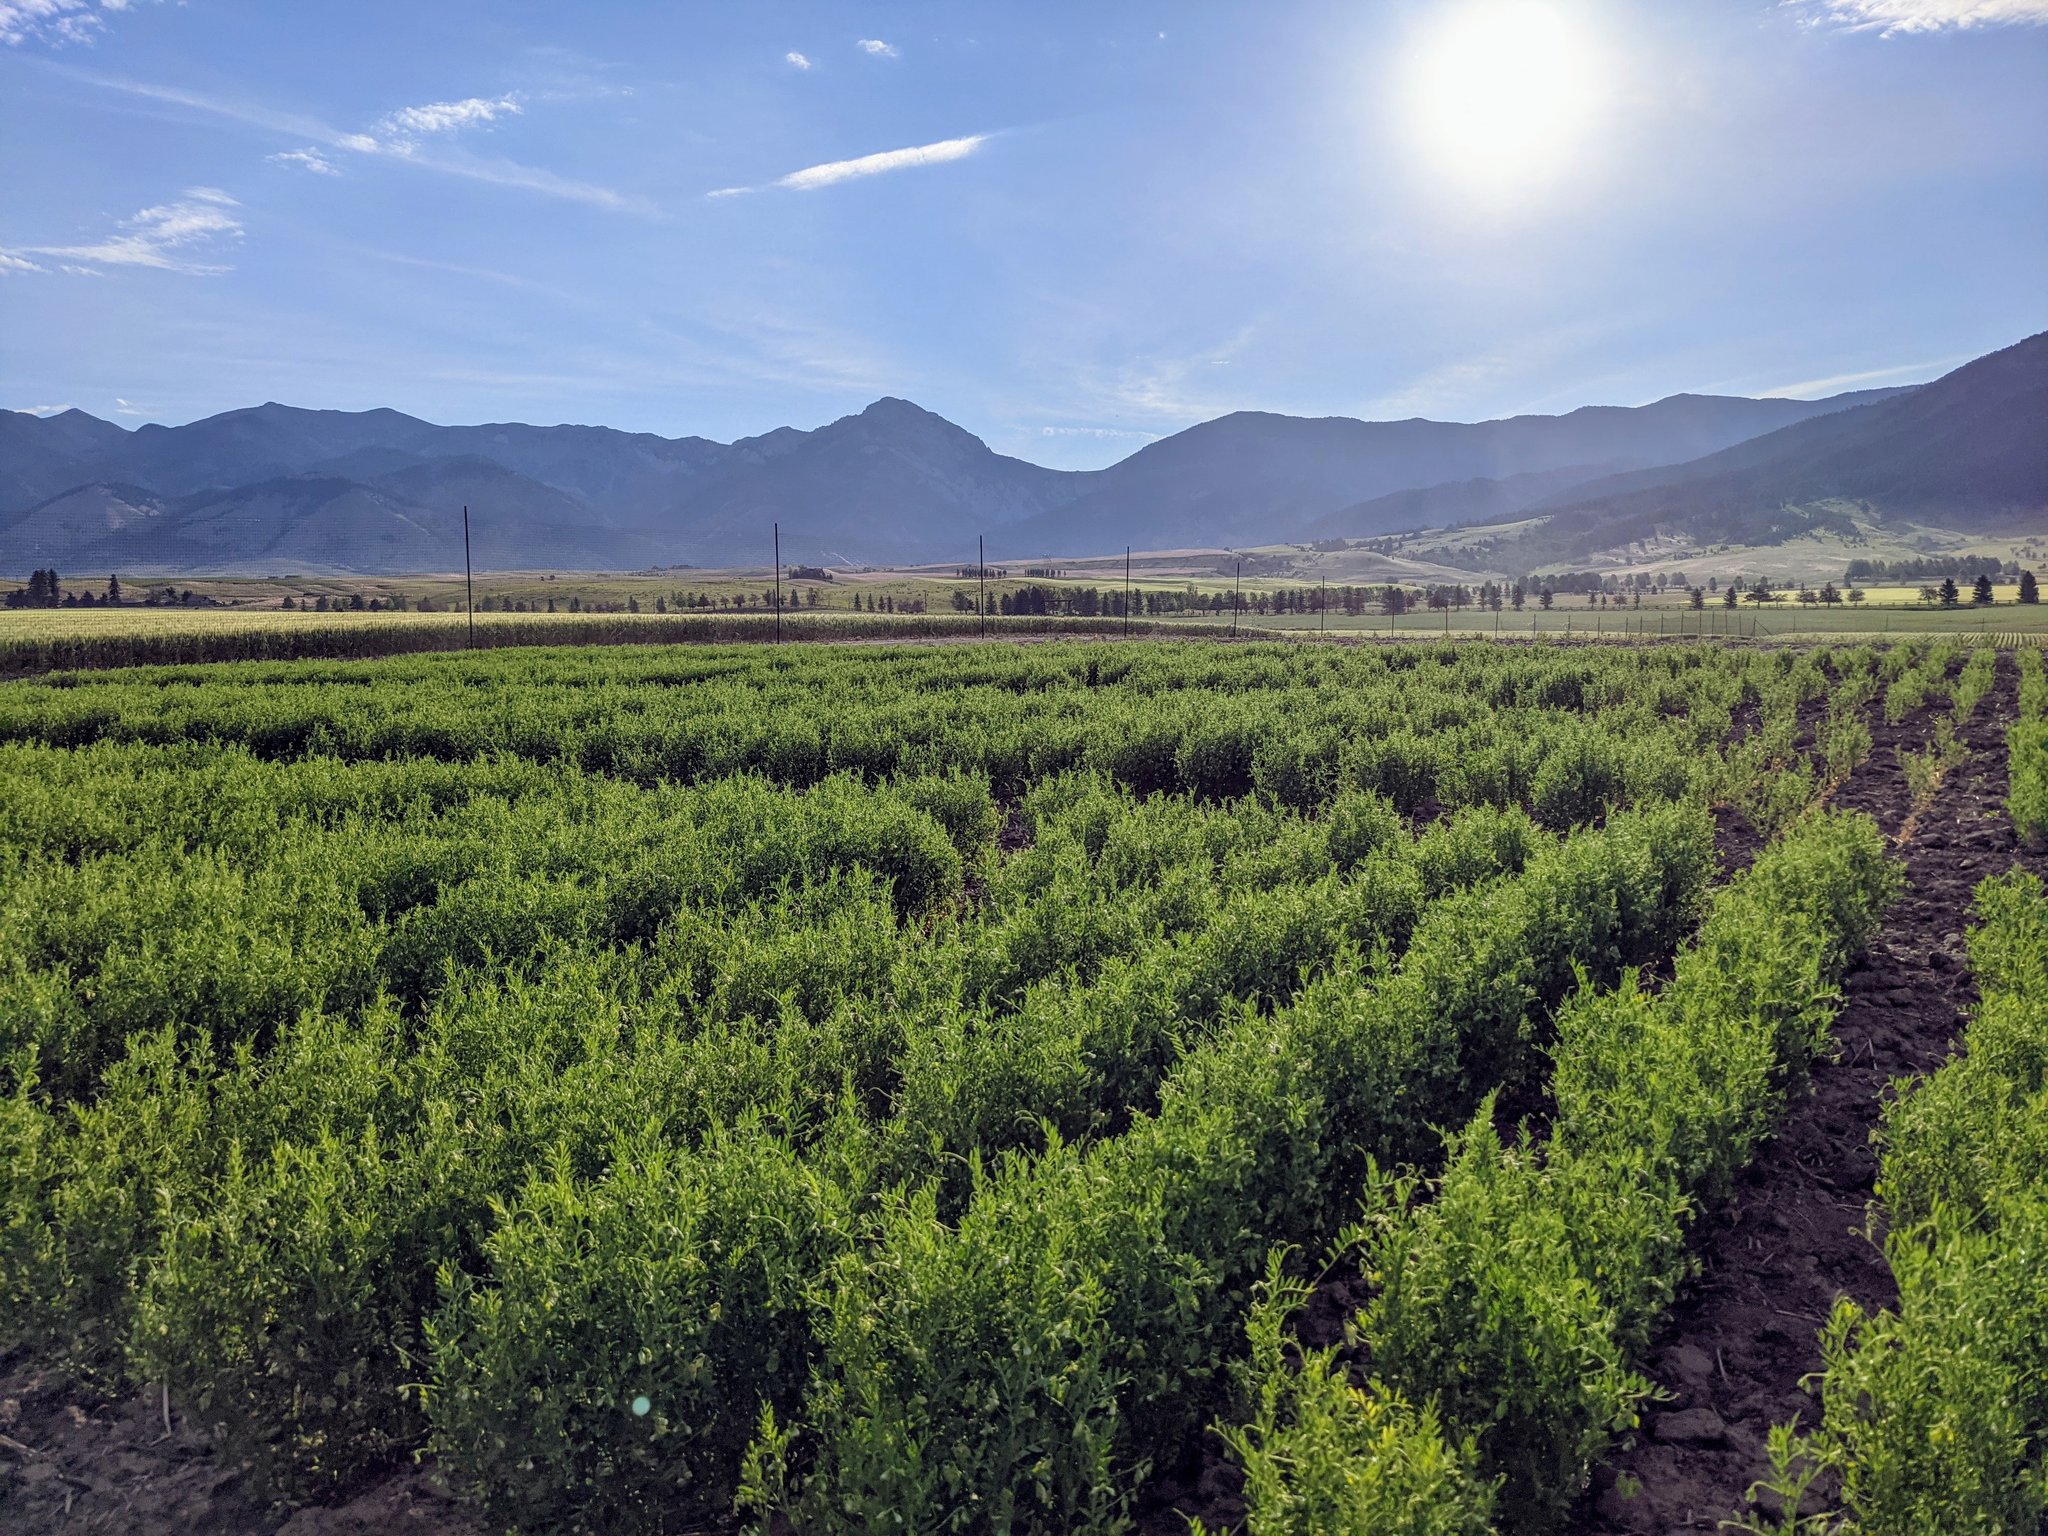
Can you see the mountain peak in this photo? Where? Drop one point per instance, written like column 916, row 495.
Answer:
column 893, row 408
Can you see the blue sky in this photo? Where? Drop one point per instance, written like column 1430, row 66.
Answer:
column 1068, row 227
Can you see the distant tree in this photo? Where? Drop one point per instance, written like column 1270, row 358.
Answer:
column 1948, row 592
column 1828, row 594
column 1699, row 597
column 355, row 602
column 113, row 589
column 1729, row 595
column 551, row 602
column 1545, row 598
column 2030, row 591
column 1713, row 583
column 1981, row 592
column 1517, row 596
column 289, row 602
column 1856, row 594
column 320, row 604
column 56, row 592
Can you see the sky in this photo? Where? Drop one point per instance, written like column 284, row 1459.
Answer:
column 1070, row 227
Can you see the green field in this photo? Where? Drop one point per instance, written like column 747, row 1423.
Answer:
column 237, row 619
column 851, row 1088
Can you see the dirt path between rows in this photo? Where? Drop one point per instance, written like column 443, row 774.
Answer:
column 1742, row 1335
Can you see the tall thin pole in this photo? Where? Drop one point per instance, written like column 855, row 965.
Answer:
column 1127, row 591
column 778, row 582
column 981, row 579
column 468, row 581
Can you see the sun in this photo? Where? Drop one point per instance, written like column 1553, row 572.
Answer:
column 1501, row 97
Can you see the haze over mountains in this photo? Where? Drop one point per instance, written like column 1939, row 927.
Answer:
column 277, row 489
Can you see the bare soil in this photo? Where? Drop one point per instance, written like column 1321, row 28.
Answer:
column 71, row 1463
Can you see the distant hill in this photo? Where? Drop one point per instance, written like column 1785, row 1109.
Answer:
column 1251, row 477
column 1968, row 451
column 276, row 488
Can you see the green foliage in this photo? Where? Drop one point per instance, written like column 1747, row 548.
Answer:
column 1322, row 1455
column 2026, row 747
column 1512, row 1291
column 452, row 1051
column 631, row 1329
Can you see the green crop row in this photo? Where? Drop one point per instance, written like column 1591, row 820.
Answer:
column 1512, row 1293
column 2026, row 745
column 1936, row 1411
column 865, row 1084
column 1443, row 727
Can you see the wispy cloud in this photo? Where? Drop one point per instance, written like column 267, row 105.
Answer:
column 13, row 262
column 1835, row 383
column 796, row 60
column 875, row 48
column 812, row 177
column 45, row 410
column 446, row 116
column 168, row 237
column 1096, row 432
column 310, row 159
column 449, row 162
column 56, row 22
column 1893, row 17
column 123, row 408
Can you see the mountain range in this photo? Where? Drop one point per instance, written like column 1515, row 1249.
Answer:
column 278, row 489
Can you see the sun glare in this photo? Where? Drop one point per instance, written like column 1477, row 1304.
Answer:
column 1501, row 95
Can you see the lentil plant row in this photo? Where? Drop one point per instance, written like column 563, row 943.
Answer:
column 885, row 1089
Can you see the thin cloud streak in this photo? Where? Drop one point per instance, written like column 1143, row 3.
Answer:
column 1891, row 18
column 831, row 172
column 1836, row 383
column 499, row 173
column 812, row 177
column 158, row 237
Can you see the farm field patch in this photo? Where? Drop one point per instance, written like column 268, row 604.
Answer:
column 672, row 1087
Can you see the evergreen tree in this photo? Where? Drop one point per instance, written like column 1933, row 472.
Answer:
column 113, row 589
column 1728, row 595
column 1948, row 591
column 1981, row 592
column 2030, row 591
